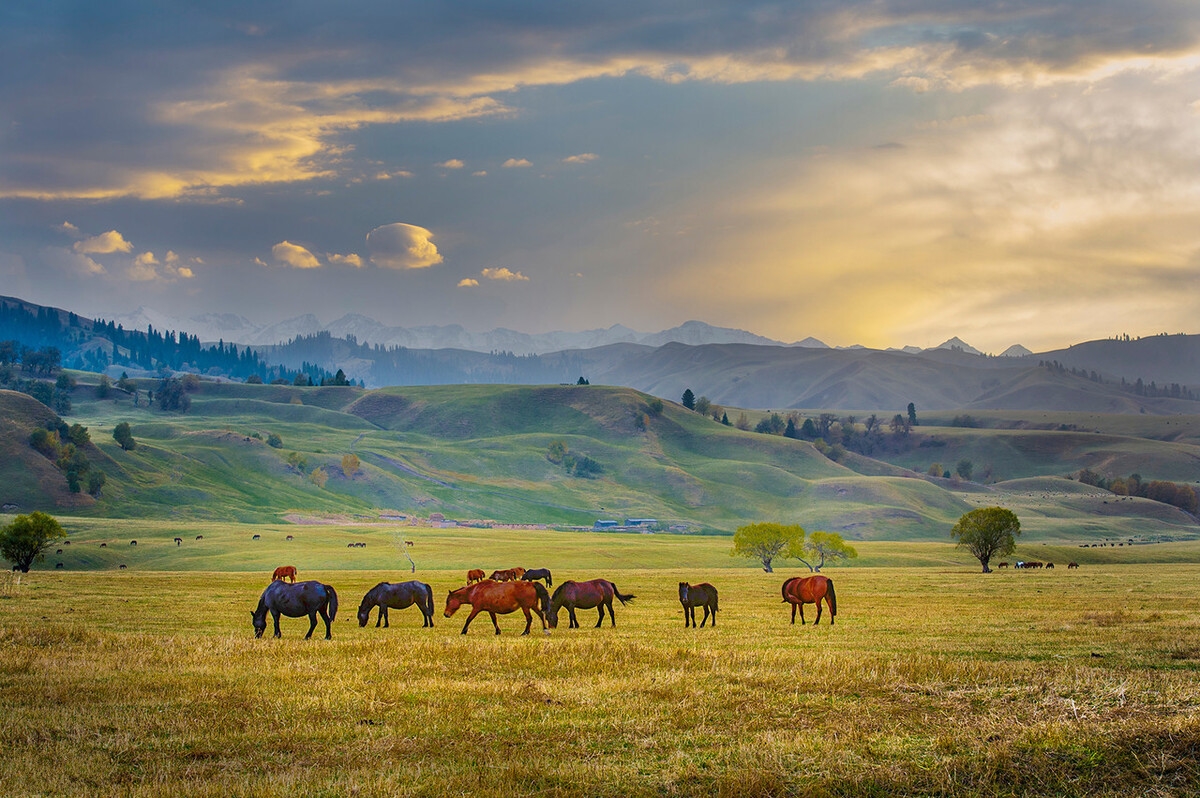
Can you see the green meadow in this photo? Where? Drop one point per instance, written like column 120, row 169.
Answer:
column 935, row 680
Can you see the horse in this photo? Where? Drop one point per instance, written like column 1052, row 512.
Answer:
column 585, row 595
column 500, row 597
column 691, row 596
column 284, row 572
column 400, row 595
column 133, row 543
column 1049, row 565
column 1071, row 565
column 801, row 590
column 296, row 600
column 1003, row 564
column 507, row 575
column 475, row 575
column 256, row 537
column 538, row 573
column 178, row 541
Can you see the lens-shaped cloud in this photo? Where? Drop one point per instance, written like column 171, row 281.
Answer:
column 517, row 163
column 468, row 282
column 402, row 246
column 295, row 256
column 504, row 274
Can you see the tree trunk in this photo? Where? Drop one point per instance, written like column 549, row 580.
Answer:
column 767, row 566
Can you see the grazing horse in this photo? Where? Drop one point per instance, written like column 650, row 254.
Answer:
column 1003, row 564
column 397, row 596
column 1071, row 565
column 507, row 575
column 1049, row 565
column 475, row 575
column 178, row 541
column 585, row 595
column 296, row 600
column 284, row 572
column 538, row 573
column 801, row 590
column 702, row 595
column 133, row 543
column 500, row 597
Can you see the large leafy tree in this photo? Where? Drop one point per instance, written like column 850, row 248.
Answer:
column 766, row 541
column 822, row 547
column 987, row 532
column 123, row 435
column 25, row 540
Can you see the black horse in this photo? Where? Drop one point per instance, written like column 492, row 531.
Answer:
column 538, row 573
column 397, row 596
column 693, row 596
column 296, row 600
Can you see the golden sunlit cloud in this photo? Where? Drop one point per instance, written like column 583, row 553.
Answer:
column 146, row 267
column 349, row 260
column 585, row 157
column 402, row 246
column 103, row 244
column 70, row 228
column 295, row 256
column 516, row 163
column 468, row 282
column 504, row 274
column 453, row 163
column 480, row 173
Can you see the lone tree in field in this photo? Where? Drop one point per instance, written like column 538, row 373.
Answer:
column 764, row 542
column 822, row 547
column 987, row 532
column 123, row 435
column 350, row 465
column 688, row 399
column 26, row 539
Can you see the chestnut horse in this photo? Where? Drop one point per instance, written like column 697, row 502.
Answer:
column 475, row 575
column 801, row 590
column 296, row 600
column 702, row 595
column 500, row 597
column 508, row 574
column 585, row 595
column 399, row 596
column 284, row 572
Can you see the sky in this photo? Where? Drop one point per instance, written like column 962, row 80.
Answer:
column 876, row 172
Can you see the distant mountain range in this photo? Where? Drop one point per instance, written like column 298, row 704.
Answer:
column 230, row 328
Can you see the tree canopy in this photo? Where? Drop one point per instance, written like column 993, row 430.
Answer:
column 26, row 539
column 987, row 532
column 822, row 547
column 766, row 541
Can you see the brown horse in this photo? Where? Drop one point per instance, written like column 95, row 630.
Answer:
column 692, row 596
column 507, row 575
column 801, row 590
column 500, row 597
column 585, row 595
column 475, row 575
column 284, row 572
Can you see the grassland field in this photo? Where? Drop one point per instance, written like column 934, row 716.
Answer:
column 935, row 680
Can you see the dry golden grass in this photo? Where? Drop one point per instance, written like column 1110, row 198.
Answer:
column 933, row 681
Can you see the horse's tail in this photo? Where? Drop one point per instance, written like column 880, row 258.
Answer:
column 332, row 601
column 783, row 590
column 714, row 606
column 832, row 597
column 549, row 579
column 617, row 593
column 543, row 596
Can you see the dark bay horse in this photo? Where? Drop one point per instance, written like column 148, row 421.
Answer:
column 538, row 573
column 398, row 596
column 801, row 590
column 692, row 596
column 585, row 595
column 296, row 600
column 500, row 597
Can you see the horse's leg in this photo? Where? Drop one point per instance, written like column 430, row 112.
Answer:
column 489, row 612
column 574, row 621
column 384, row 612
column 793, row 615
column 528, row 621
column 470, row 618
column 705, row 619
column 600, row 622
column 378, row 620
column 275, row 617
column 312, row 624
column 325, row 618
column 801, row 606
column 817, row 622
column 714, row 613
column 612, row 618
column 687, row 621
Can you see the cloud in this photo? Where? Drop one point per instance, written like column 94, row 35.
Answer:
column 453, row 163
column 516, row 163
column 103, row 244
column 468, row 282
column 480, row 173
column 349, row 260
column 70, row 229
column 583, row 157
column 146, row 267
column 390, row 175
column 504, row 274
column 402, row 246
column 295, row 256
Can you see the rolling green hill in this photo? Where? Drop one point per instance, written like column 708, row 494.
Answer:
column 483, row 454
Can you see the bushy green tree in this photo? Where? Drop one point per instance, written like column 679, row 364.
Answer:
column 965, row 469
column 987, row 532
column 123, row 435
column 822, row 547
column 25, row 540
column 274, row 441
column 767, row 541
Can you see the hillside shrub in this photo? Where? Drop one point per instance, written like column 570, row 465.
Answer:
column 123, row 435
column 45, row 442
column 274, row 441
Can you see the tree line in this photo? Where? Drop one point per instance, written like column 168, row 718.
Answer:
column 1179, row 495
